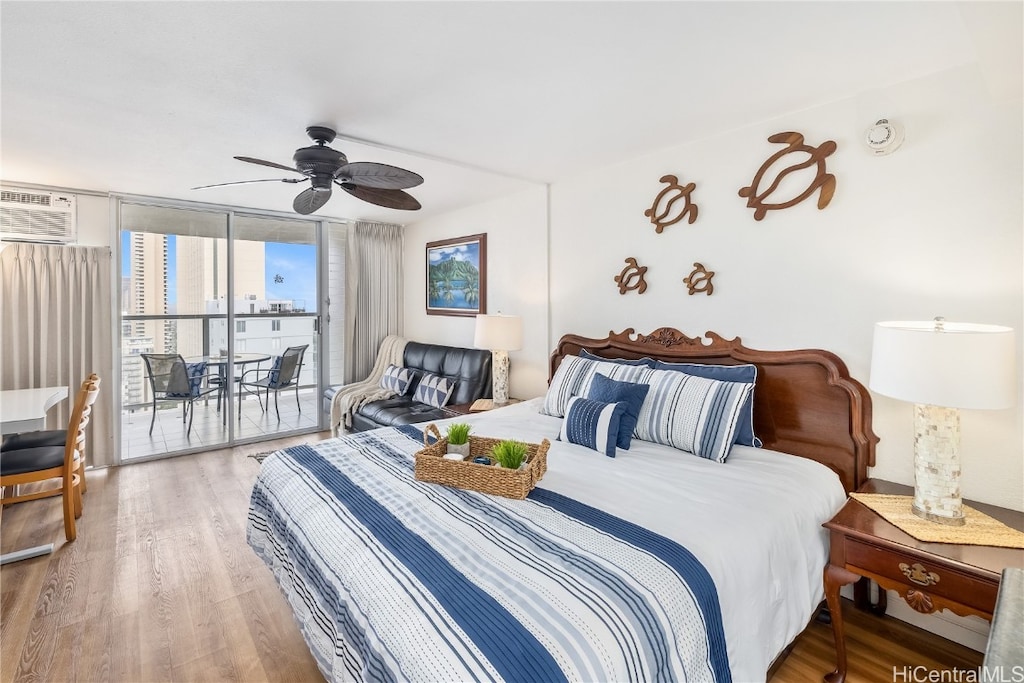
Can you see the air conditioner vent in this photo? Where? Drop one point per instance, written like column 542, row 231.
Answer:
column 37, row 216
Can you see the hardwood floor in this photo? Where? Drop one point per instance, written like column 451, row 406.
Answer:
column 161, row 586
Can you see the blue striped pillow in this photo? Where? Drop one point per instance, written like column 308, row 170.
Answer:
column 593, row 424
column 633, row 395
column 649, row 362
column 396, row 379
column 694, row 414
column 574, row 377
column 727, row 373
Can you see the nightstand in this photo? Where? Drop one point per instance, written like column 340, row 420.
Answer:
column 482, row 405
column 928, row 576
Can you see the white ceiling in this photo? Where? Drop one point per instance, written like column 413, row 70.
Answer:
column 153, row 98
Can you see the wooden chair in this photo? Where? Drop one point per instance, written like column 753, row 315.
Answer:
column 45, row 437
column 31, row 465
column 283, row 375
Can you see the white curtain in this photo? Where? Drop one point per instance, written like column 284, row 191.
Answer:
column 375, row 296
column 55, row 311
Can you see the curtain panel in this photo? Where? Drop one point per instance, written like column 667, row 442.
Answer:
column 55, row 318
column 375, row 293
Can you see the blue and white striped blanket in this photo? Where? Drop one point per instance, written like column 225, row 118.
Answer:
column 392, row 579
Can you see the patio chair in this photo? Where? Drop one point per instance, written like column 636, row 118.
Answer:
column 38, row 464
column 172, row 379
column 284, row 374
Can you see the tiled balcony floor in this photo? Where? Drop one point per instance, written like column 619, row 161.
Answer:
column 208, row 429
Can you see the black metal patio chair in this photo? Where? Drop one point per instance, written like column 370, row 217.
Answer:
column 284, row 374
column 172, row 379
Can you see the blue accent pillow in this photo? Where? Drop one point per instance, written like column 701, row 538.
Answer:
column 195, row 372
column 608, row 390
column 649, row 362
column 434, row 390
column 726, row 373
column 397, row 379
column 275, row 371
column 592, row 424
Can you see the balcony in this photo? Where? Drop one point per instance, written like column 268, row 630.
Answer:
column 208, row 428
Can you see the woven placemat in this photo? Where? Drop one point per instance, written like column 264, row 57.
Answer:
column 979, row 529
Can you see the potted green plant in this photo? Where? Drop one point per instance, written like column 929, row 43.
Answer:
column 510, row 453
column 458, row 438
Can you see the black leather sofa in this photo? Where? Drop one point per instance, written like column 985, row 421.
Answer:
column 470, row 368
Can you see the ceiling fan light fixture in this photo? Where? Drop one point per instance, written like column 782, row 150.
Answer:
column 375, row 183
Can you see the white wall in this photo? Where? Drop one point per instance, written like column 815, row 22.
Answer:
column 517, row 280
column 934, row 229
column 94, row 221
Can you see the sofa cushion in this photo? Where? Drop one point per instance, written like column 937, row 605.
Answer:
column 401, row 410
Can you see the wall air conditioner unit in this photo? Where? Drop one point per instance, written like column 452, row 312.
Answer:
column 37, row 215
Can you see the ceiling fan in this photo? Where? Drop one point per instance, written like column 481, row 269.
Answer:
column 375, row 183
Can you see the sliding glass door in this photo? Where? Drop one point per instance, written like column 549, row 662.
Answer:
column 220, row 328
column 275, row 317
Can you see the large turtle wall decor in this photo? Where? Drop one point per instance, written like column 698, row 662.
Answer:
column 826, row 182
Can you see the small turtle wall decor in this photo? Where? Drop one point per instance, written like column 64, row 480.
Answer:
column 823, row 181
column 667, row 209
column 699, row 280
column 632, row 277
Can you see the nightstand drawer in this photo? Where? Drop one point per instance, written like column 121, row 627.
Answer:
column 922, row 575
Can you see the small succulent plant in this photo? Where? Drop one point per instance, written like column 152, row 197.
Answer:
column 458, row 433
column 510, row 453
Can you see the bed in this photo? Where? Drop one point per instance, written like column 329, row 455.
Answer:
column 652, row 565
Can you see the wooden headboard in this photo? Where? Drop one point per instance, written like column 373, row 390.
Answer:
column 805, row 401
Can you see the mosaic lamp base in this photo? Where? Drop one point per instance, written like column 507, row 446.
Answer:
column 499, row 370
column 937, row 465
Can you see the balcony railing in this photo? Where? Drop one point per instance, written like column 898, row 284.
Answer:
column 206, row 335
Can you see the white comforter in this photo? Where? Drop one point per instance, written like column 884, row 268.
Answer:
column 754, row 522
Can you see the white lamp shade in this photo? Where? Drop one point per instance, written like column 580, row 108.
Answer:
column 498, row 332
column 964, row 365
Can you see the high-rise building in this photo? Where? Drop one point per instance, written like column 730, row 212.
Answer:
column 202, row 266
column 145, row 294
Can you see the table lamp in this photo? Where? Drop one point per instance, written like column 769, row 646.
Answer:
column 501, row 334
column 942, row 367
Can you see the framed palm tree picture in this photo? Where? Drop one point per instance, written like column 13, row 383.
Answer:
column 457, row 276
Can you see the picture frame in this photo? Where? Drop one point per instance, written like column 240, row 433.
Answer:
column 456, row 276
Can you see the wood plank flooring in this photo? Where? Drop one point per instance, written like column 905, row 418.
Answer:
column 161, row 586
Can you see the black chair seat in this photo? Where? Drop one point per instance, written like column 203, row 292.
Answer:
column 265, row 383
column 43, row 437
column 401, row 410
column 31, row 459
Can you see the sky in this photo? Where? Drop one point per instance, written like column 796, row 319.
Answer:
column 295, row 264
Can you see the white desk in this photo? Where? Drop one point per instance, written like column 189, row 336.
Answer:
column 24, row 410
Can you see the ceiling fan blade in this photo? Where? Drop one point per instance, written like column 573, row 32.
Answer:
column 246, row 182
column 370, row 174
column 271, row 164
column 310, row 200
column 392, row 199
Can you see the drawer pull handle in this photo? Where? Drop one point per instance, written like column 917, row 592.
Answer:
column 919, row 574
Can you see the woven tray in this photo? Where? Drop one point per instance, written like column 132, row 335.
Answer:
column 431, row 466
